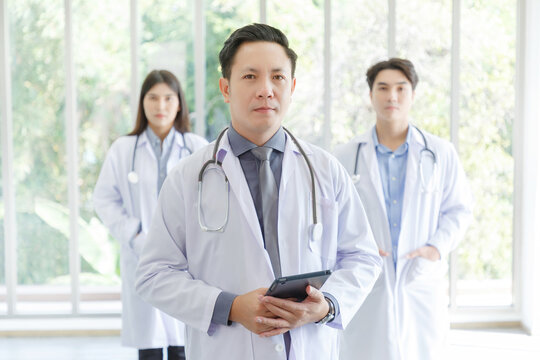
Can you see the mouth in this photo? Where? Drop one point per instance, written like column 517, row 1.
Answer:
column 264, row 109
column 391, row 107
column 160, row 116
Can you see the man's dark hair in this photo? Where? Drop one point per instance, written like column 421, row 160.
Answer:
column 403, row 65
column 252, row 33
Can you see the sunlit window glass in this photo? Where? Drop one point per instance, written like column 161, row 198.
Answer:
column 359, row 39
column 167, row 42
column 222, row 18
column 40, row 175
column 103, row 78
column 303, row 23
column 485, row 138
column 430, row 53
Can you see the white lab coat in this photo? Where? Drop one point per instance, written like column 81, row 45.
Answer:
column 123, row 207
column 188, row 268
column 405, row 316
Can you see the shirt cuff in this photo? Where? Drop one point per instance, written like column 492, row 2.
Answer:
column 334, row 301
column 222, row 309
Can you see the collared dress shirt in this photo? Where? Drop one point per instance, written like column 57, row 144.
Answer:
column 393, row 172
column 162, row 152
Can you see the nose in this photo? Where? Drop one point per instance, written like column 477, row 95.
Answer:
column 265, row 89
column 393, row 95
column 161, row 104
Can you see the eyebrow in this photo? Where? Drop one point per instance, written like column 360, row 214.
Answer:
column 398, row 83
column 154, row 94
column 252, row 69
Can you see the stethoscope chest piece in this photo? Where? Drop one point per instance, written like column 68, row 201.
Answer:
column 316, row 232
column 133, row 177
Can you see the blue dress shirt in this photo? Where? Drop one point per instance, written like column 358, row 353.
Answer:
column 393, row 171
column 162, row 152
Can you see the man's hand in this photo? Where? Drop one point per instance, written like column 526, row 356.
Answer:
column 289, row 314
column 247, row 307
column 383, row 253
column 427, row 252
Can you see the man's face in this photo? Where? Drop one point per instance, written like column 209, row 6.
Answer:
column 259, row 89
column 392, row 96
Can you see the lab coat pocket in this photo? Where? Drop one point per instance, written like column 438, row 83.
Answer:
column 326, row 246
column 422, row 269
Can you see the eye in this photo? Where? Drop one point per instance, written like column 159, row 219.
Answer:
column 279, row 77
column 248, row 76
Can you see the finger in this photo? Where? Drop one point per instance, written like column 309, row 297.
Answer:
column 284, row 304
column 274, row 332
column 383, row 253
column 277, row 311
column 413, row 254
column 274, row 323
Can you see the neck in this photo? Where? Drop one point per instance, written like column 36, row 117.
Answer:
column 392, row 134
column 161, row 132
column 258, row 138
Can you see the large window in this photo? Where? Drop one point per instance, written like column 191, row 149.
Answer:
column 39, row 142
column 465, row 94
column 485, row 138
column 102, row 88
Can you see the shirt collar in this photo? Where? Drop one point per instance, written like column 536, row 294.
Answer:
column 240, row 145
column 156, row 141
column 381, row 149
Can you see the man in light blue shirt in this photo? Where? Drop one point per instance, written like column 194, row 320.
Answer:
column 418, row 203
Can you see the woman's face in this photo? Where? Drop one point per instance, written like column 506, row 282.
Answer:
column 161, row 105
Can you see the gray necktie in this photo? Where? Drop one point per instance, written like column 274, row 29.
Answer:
column 269, row 199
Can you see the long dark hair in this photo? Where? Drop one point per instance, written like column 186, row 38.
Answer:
column 181, row 122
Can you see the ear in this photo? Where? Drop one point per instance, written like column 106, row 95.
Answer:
column 293, row 85
column 224, row 88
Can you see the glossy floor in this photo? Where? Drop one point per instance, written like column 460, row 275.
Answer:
column 465, row 345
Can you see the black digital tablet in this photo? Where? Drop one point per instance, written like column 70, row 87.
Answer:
column 294, row 286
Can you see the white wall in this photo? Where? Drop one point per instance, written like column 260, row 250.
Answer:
column 527, row 148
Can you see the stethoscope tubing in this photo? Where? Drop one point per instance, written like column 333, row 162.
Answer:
column 132, row 175
column 425, row 148
column 316, row 227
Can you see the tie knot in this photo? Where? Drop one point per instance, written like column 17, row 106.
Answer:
column 262, row 153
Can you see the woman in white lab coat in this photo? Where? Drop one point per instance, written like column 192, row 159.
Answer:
column 125, row 198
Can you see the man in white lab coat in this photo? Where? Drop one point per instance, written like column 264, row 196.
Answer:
column 216, row 249
column 418, row 203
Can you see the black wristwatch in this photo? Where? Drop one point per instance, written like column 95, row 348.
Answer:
column 331, row 313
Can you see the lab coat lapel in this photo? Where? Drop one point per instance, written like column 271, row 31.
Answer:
column 240, row 189
column 370, row 159
column 411, row 178
column 288, row 166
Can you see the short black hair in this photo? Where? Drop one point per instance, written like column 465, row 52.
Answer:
column 252, row 33
column 403, row 65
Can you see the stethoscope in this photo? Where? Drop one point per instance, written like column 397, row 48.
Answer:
column 315, row 229
column 133, row 177
column 425, row 150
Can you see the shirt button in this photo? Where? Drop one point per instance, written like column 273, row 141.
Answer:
column 393, row 178
column 395, row 224
column 279, row 347
column 395, row 201
column 393, row 156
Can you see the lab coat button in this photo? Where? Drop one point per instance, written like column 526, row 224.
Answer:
column 279, row 347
